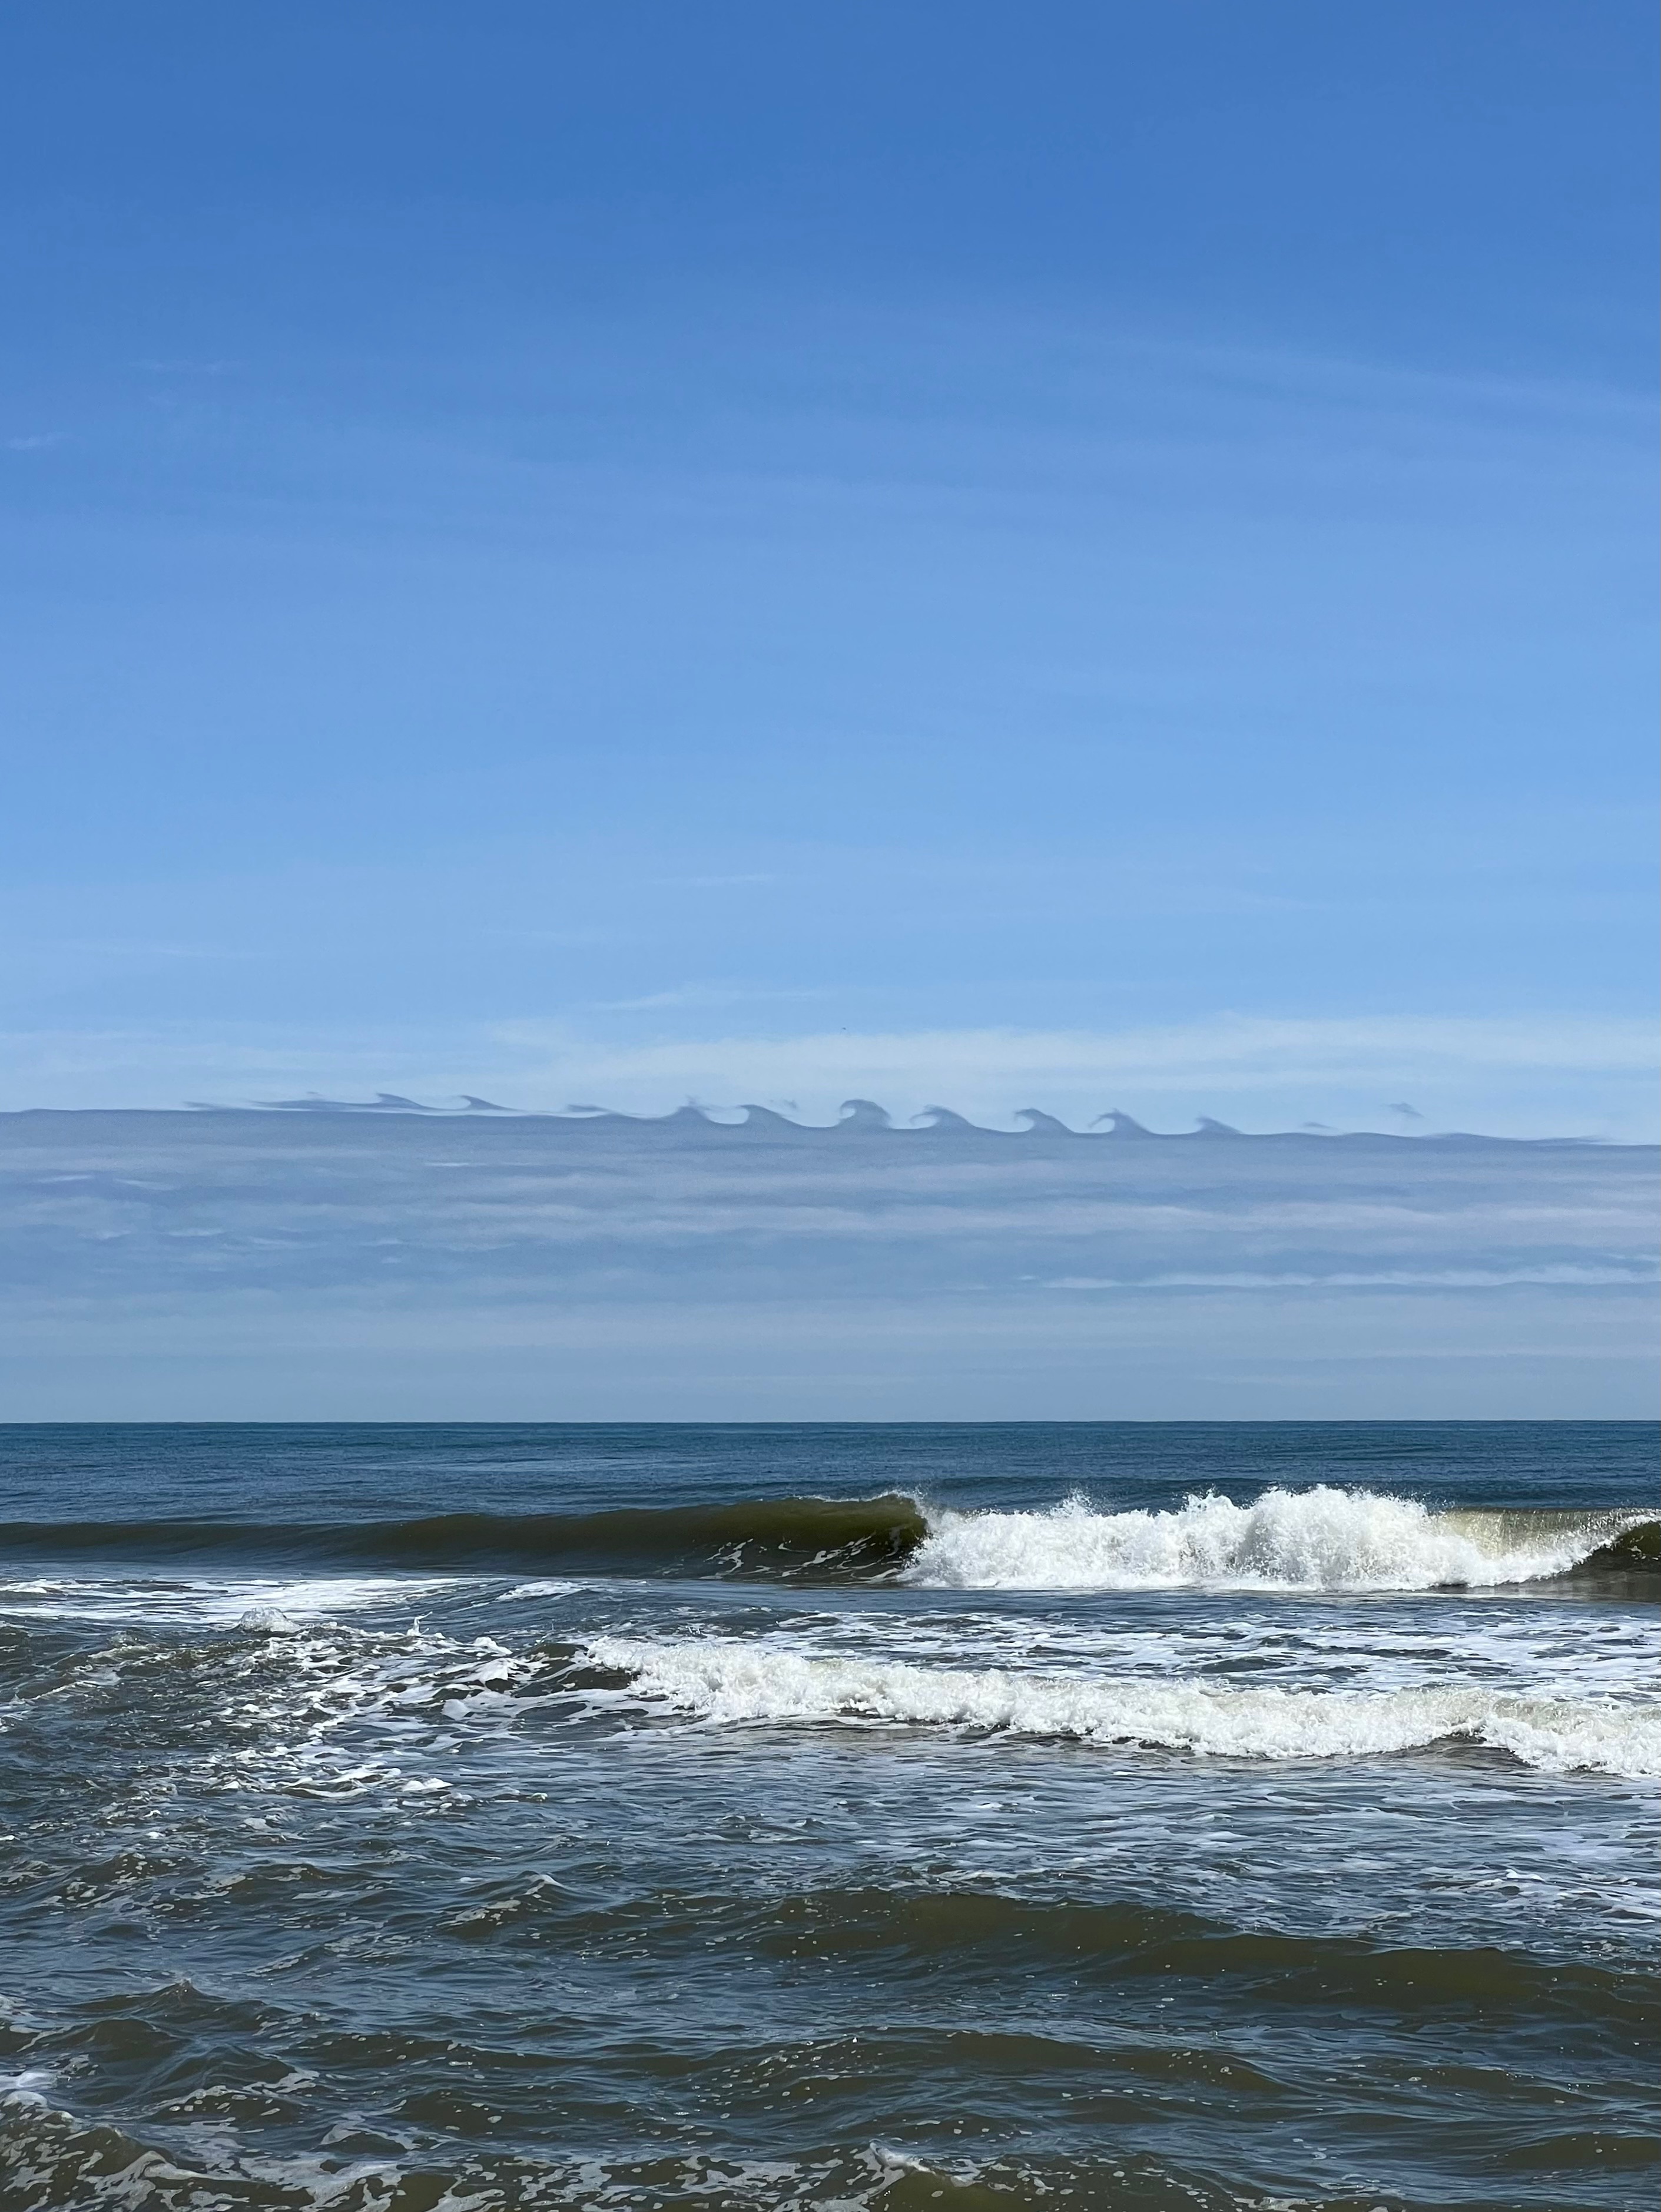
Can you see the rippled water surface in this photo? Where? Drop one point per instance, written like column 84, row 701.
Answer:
column 1136, row 1817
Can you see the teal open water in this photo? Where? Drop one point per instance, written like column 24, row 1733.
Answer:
column 1145, row 1817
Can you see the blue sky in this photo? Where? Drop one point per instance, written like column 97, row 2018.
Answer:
column 1089, row 557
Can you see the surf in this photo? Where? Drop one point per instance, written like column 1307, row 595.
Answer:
column 730, row 1683
column 1321, row 1539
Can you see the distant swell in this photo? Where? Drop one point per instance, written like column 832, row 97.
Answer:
column 832, row 1537
column 1320, row 1539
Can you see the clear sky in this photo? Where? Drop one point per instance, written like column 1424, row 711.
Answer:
column 1088, row 555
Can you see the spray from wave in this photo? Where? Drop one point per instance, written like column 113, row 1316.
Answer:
column 1322, row 1539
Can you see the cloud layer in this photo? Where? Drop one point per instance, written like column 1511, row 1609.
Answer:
column 618, row 1260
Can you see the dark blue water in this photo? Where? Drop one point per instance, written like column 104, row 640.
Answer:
column 1151, row 1816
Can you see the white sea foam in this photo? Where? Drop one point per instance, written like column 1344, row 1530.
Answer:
column 269, row 1620
column 1324, row 1539
column 262, row 1602
column 315, row 1597
column 754, row 1682
column 1535, row 1651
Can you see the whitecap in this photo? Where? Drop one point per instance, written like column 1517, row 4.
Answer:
column 730, row 1682
column 1324, row 1539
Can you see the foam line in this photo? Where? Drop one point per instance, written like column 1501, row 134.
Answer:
column 736, row 1682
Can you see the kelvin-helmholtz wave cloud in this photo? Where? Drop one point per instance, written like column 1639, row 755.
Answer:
column 398, row 1263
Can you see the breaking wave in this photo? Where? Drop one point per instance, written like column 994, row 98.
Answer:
column 1320, row 1539
column 731, row 1682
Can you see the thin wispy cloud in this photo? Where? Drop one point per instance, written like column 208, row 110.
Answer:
column 1506, row 1077
column 1254, row 1062
column 693, row 997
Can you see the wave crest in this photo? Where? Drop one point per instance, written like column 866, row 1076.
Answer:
column 737, row 1682
column 1321, row 1539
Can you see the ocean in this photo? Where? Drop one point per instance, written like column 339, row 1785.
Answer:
column 868, row 1818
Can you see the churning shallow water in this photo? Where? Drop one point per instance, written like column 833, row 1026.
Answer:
column 1122, row 1816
